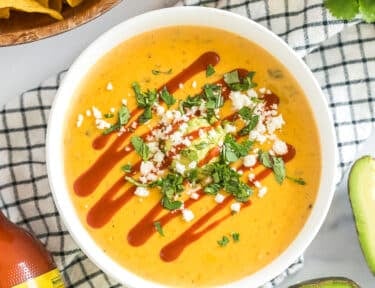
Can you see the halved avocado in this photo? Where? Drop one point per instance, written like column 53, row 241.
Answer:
column 361, row 186
column 330, row 282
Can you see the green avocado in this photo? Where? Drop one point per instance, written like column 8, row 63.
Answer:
column 361, row 186
column 330, row 282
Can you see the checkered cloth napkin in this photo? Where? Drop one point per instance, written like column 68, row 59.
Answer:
column 341, row 55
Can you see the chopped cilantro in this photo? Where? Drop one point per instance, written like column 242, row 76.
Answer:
column 265, row 159
column 170, row 186
column 192, row 175
column 135, row 182
column 223, row 241
column 192, row 101
column 299, row 180
column 210, row 70
column 140, row 147
column 231, row 77
column 224, row 177
column 157, row 72
column 123, row 115
column 276, row 163
column 235, row 236
column 146, row 115
column 158, row 228
column 213, row 96
column 234, row 82
column 232, row 150
column 123, row 118
column 108, row 115
column 348, row 9
column 127, row 168
column 278, row 168
column 251, row 124
column 167, row 97
column 246, row 113
column 144, row 100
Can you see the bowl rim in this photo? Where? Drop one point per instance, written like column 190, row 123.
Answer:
column 198, row 16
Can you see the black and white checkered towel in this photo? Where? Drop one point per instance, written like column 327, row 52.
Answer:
column 341, row 55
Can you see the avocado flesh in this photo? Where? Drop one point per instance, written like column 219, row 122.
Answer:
column 362, row 197
column 332, row 282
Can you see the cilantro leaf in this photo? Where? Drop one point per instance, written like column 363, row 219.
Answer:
column 252, row 123
column 231, row 77
column 114, row 127
column 235, row 236
column 299, row 180
column 127, row 168
column 192, row 101
column 123, row 115
column 170, row 204
column 246, row 113
column 146, row 115
column 342, row 9
column 278, row 168
column 265, row 159
column 158, row 228
column 223, row 241
column 108, row 115
column 167, row 97
column 157, row 72
column 210, row 70
column 367, row 8
column 232, row 150
column 135, row 182
column 140, row 147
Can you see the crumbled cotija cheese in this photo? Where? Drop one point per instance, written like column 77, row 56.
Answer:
column 219, row 198
column 109, row 86
column 235, row 207
column 79, row 120
column 280, row 147
column 141, row 192
column 249, row 160
column 187, row 215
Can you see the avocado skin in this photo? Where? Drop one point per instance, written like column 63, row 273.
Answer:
column 361, row 183
column 329, row 282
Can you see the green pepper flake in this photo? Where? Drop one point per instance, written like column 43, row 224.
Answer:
column 210, row 70
column 167, row 97
column 223, row 241
column 108, row 115
column 235, row 236
column 159, row 228
column 299, row 181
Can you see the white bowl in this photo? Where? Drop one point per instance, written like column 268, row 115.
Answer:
column 201, row 17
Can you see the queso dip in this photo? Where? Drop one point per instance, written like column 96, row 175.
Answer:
column 192, row 156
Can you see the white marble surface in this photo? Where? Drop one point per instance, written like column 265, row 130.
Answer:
column 335, row 251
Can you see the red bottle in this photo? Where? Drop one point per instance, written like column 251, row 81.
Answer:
column 24, row 262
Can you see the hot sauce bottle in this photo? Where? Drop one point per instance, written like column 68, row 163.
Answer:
column 24, row 261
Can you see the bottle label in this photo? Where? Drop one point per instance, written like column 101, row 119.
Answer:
column 51, row 279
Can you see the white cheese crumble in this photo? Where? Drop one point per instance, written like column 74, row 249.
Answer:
column 141, row 192
column 262, row 191
column 230, row 128
column 239, row 100
column 251, row 177
column 88, row 112
column 159, row 157
column 194, row 196
column 109, row 86
column 180, row 168
column 249, row 160
column 280, row 147
column 257, row 184
column 96, row 112
column 124, row 102
column 194, row 84
column 102, row 124
column 219, row 198
column 181, row 86
column 235, row 207
column 146, row 167
column 112, row 110
column 187, row 215
column 79, row 120
column 192, row 164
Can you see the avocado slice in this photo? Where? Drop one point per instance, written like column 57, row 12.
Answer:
column 361, row 186
column 330, row 282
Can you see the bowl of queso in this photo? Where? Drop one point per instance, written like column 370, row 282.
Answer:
column 191, row 147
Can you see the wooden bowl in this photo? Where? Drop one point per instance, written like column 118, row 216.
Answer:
column 24, row 27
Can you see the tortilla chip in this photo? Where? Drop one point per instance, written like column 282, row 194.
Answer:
column 4, row 13
column 30, row 6
column 55, row 5
column 74, row 3
column 43, row 2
